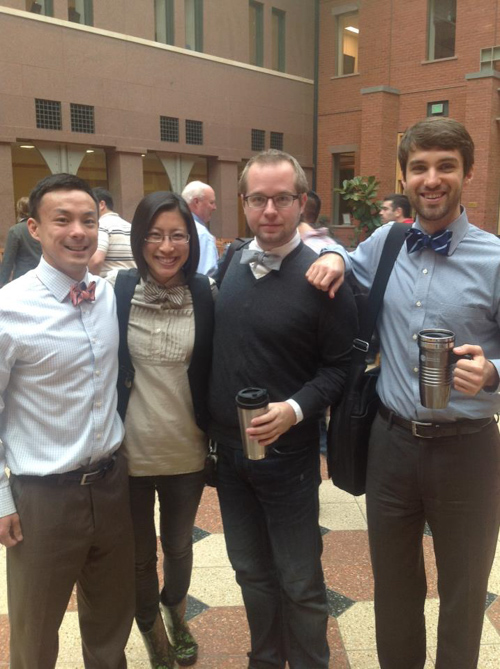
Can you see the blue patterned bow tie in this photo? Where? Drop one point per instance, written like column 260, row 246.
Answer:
column 438, row 242
column 269, row 260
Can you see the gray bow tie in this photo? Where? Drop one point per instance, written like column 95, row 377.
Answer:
column 153, row 293
column 268, row 260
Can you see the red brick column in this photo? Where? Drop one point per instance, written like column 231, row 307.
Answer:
column 379, row 135
column 481, row 198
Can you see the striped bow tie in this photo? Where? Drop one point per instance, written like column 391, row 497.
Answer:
column 153, row 293
column 438, row 242
column 269, row 260
column 79, row 292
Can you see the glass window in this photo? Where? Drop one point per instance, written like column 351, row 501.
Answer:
column 48, row 114
column 276, row 141
column 193, row 16
column 44, row 7
column 164, row 21
column 442, row 26
column 343, row 168
column 169, row 129
column 82, row 118
column 258, row 139
column 81, row 11
column 256, row 38
column 278, row 30
column 347, row 44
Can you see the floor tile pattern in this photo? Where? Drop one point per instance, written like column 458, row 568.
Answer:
column 217, row 615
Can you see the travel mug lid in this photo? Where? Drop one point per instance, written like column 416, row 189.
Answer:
column 436, row 338
column 252, row 398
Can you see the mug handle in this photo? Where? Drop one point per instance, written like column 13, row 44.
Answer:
column 455, row 358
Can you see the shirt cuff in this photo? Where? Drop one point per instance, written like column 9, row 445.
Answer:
column 495, row 388
column 298, row 411
column 7, row 505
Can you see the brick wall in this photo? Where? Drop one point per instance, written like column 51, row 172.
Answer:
column 392, row 54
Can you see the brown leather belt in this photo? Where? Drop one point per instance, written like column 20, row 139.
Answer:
column 435, row 430
column 81, row 476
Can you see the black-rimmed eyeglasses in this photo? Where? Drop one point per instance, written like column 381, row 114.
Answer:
column 281, row 201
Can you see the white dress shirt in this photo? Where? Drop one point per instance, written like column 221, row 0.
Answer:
column 208, row 247
column 458, row 292
column 58, row 372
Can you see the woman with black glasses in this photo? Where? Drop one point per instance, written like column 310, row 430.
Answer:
column 166, row 322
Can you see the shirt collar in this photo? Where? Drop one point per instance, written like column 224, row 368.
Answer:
column 459, row 228
column 281, row 251
column 55, row 281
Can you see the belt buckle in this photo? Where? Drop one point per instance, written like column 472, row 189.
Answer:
column 415, row 424
column 88, row 475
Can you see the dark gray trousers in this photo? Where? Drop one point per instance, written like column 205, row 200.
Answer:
column 454, row 484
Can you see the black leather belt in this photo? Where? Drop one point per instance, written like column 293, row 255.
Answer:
column 435, row 430
column 81, row 476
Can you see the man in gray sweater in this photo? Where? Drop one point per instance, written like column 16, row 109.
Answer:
column 273, row 330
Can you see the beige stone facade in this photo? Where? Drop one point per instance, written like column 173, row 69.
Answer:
column 113, row 89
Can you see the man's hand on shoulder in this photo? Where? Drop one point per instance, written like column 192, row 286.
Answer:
column 271, row 425
column 10, row 530
column 471, row 376
column 327, row 273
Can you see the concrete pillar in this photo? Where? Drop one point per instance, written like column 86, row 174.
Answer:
column 379, row 131
column 7, row 204
column 178, row 169
column 223, row 177
column 126, row 181
column 481, row 197
column 60, row 158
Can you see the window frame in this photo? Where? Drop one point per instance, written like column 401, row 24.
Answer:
column 88, row 13
column 164, row 10
column 339, row 38
column 46, row 7
column 197, row 12
column 279, row 48
column 258, row 44
column 431, row 31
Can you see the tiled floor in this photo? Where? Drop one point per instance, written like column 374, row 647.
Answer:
column 218, row 618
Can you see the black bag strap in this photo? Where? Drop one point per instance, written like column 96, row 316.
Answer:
column 390, row 252
column 125, row 284
column 225, row 261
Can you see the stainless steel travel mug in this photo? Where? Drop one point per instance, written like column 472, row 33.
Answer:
column 436, row 358
column 251, row 402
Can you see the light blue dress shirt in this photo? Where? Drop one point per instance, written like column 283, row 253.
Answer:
column 459, row 292
column 58, row 372
column 208, row 247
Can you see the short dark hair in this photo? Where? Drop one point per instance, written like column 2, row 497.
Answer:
column 274, row 157
column 312, row 208
column 401, row 201
column 54, row 182
column 105, row 195
column 437, row 132
column 144, row 217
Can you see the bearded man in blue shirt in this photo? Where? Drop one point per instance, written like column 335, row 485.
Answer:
column 64, row 512
column 436, row 465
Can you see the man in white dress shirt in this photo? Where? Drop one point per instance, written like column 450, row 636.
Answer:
column 64, row 514
column 201, row 201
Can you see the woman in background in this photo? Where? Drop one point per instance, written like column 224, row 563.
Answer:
column 166, row 324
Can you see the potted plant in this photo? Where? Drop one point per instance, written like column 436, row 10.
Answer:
column 361, row 195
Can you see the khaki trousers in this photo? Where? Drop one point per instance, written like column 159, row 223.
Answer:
column 72, row 534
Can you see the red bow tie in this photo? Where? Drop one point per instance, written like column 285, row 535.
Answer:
column 79, row 292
